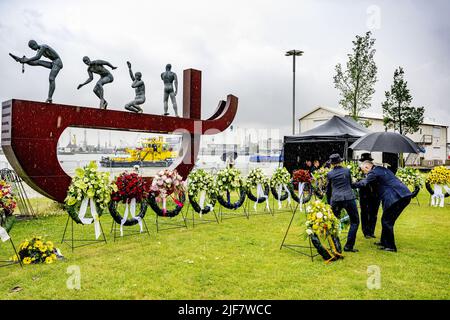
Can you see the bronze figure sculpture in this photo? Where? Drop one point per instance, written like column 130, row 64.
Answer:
column 170, row 79
column 55, row 64
column 97, row 67
column 139, row 88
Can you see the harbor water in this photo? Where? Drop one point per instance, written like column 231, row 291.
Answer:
column 69, row 162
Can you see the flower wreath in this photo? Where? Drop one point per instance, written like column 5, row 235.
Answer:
column 228, row 180
column 131, row 190
column 167, row 184
column 201, row 183
column 280, row 185
column 305, row 191
column 257, row 178
column 439, row 176
column 88, row 187
column 320, row 181
column 355, row 170
column 7, row 206
column 410, row 177
column 321, row 224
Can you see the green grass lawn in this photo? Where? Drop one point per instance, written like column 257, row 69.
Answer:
column 236, row 259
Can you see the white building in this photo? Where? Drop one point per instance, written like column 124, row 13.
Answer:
column 432, row 135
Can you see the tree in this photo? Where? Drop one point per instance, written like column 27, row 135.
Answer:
column 397, row 112
column 357, row 81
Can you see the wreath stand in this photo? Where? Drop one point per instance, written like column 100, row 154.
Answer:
column 265, row 211
column 159, row 214
column 298, row 247
column 232, row 215
column 248, row 201
column 171, row 225
column 431, row 192
column 228, row 215
column 5, row 263
column 73, row 242
column 282, row 210
column 201, row 220
column 126, row 232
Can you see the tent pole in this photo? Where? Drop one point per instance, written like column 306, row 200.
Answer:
column 346, row 150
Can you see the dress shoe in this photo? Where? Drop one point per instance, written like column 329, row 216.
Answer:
column 372, row 236
column 388, row 249
column 350, row 250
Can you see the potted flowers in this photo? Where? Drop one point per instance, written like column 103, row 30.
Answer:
column 37, row 250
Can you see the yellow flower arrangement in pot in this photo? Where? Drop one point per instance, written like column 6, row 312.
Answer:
column 37, row 250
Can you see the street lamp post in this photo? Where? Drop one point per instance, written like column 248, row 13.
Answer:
column 293, row 53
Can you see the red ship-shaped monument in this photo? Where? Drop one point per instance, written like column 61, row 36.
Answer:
column 31, row 130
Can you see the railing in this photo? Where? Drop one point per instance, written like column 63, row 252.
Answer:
column 412, row 158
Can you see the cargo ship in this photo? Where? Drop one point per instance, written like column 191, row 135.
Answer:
column 155, row 152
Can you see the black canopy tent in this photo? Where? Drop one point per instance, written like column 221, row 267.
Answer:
column 333, row 136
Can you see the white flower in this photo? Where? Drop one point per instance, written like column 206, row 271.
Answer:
column 319, row 215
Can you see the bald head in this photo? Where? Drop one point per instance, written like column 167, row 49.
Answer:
column 366, row 166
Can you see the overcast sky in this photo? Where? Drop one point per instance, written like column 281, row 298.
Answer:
column 239, row 46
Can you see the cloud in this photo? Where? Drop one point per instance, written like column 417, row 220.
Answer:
column 239, row 45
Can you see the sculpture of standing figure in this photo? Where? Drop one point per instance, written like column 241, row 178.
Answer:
column 139, row 87
column 55, row 65
column 169, row 78
column 97, row 66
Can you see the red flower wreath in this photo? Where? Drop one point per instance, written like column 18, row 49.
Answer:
column 301, row 176
column 129, row 186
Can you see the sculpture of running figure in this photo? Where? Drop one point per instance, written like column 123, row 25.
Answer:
column 169, row 77
column 139, row 87
column 55, row 65
column 97, row 66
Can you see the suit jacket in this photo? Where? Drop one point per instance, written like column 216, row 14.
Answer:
column 339, row 187
column 369, row 193
column 389, row 187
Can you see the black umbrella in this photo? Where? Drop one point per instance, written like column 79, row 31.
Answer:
column 386, row 142
column 228, row 155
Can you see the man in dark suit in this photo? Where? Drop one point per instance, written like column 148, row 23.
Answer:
column 341, row 196
column 369, row 203
column 395, row 196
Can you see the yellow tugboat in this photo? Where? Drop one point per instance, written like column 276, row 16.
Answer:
column 155, row 152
